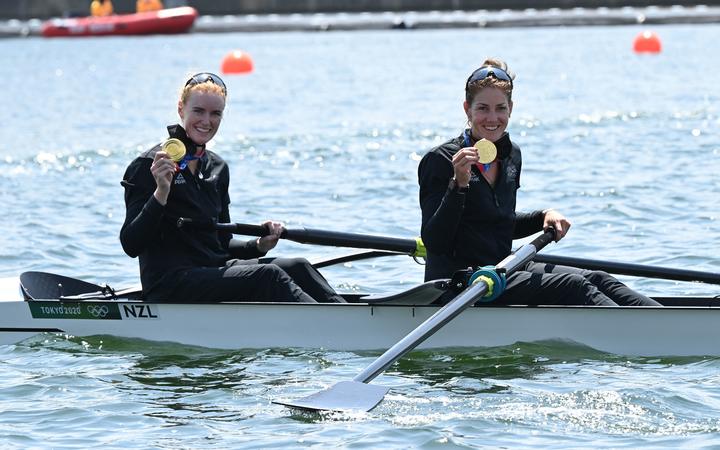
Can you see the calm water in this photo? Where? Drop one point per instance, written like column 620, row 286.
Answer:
column 327, row 133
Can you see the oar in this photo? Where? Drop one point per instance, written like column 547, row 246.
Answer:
column 637, row 270
column 415, row 247
column 412, row 247
column 358, row 394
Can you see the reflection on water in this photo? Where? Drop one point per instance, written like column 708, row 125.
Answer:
column 459, row 393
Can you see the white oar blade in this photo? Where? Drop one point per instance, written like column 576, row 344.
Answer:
column 343, row 396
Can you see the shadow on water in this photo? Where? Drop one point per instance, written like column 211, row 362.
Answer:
column 179, row 384
column 174, row 365
column 187, row 369
column 522, row 360
column 503, row 362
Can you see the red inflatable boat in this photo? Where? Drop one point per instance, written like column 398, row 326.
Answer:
column 165, row 21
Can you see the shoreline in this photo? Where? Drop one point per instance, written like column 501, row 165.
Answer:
column 411, row 20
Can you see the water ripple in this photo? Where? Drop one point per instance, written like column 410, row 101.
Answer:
column 623, row 144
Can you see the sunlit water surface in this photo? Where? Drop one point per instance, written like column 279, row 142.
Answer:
column 327, row 133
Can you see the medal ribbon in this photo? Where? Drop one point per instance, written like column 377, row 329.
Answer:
column 198, row 155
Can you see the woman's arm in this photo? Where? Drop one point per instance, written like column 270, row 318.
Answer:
column 527, row 224
column 530, row 223
column 442, row 205
column 143, row 212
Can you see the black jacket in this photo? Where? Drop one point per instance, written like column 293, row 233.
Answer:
column 476, row 228
column 150, row 230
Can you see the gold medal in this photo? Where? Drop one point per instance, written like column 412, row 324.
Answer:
column 174, row 148
column 486, row 150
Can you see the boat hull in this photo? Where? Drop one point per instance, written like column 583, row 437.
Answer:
column 642, row 331
column 166, row 21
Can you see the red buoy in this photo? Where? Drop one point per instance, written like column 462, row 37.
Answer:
column 237, row 62
column 647, row 42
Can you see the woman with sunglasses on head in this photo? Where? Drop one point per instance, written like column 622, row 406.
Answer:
column 468, row 193
column 200, row 264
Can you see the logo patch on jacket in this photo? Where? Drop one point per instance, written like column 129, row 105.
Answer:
column 511, row 172
column 180, row 179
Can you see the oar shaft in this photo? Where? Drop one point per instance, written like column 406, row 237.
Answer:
column 637, row 270
column 351, row 240
column 422, row 332
column 451, row 310
column 324, row 237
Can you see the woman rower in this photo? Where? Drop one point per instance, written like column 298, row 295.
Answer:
column 181, row 178
column 468, row 188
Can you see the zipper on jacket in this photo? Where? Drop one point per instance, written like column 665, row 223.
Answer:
column 492, row 189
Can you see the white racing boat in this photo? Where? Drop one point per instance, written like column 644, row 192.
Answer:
column 38, row 302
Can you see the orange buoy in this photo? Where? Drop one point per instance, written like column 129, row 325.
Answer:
column 237, row 62
column 647, row 42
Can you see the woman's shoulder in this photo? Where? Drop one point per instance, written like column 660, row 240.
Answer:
column 515, row 152
column 507, row 148
column 444, row 151
column 453, row 145
column 215, row 159
column 215, row 167
column 138, row 171
column 146, row 157
column 437, row 162
column 149, row 153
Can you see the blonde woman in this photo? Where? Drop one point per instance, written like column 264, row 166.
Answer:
column 202, row 264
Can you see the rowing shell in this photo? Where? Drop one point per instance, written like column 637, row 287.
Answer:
column 690, row 327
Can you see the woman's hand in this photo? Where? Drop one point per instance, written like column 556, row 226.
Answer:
column 163, row 168
column 462, row 162
column 268, row 242
column 557, row 221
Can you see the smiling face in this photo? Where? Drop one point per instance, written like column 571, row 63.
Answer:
column 488, row 113
column 201, row 113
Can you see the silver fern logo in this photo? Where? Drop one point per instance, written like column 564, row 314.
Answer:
column 511, row 172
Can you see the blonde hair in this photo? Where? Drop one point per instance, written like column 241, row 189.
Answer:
column 206, row 82
column 206, row 87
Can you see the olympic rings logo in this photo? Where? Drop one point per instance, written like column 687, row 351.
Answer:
column 98, row 311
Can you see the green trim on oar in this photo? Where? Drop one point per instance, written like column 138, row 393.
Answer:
column 344, row 396
column 412, row 247
column 636, row 270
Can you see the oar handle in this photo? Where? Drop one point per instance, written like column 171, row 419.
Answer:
column 451, row 310
column 413, row 247
column 245, row 229
column 235, row 228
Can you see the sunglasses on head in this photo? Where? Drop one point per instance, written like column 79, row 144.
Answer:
column 489, row 71
column 204, row 77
